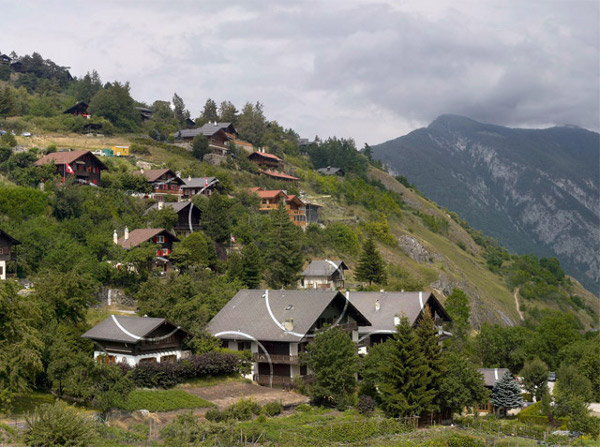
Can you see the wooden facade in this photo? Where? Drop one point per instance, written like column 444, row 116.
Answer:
column 8, row 254
column 271, row 199
column 86, row 167
column 164, row 182
column 265, row 160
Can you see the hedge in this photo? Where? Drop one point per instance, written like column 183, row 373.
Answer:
column 167, row 375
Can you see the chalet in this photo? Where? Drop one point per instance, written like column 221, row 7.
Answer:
column 270, row 200
column 324, row 275
column 188, row 216
column 276, row 326
column 279, row 176
column 134, row 340
column 218, row 135
column 8, row 253
column 82, row 165
column 490, row 377
column 385, row 309
column 263, row 159
column 158, row 236
column 5, row 59
column 330, row 170
column 164, row 182
column 199, row 185
column 79, row 109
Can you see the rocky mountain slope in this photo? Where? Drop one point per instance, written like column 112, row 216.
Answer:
column 536, row 191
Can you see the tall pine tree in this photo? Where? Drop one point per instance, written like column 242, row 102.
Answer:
column 252, row 266
column 427, row 334
column 371, row 267
column 506, row 393
column 404, row 375
column 284, row 249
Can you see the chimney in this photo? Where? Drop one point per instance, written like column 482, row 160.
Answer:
column 381, row 290
column 189, row 178
column 161, row 205
column 115, row 237
column 289, row 324
column 141, row 170
column 126, row 235
column 377, row 305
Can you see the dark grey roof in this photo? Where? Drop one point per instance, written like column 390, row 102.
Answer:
column 198, row 182
column 392, row 304
column 208, row 130
column 109, row 330
column 175, row 206
column 247, row 313
column 329, row 170
column 492, row 375
column 323, row 268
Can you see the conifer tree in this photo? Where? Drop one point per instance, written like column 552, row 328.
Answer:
column 284, row 250
column 506, row 393
column 427, row 335
column 210, row 111
column 371, row 266
column 404, row 375
column 252, row 266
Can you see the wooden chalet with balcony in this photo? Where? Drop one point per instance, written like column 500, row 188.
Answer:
column 8, row 253
column 270, row 200
column 188, row 216
column 277, row 325
column 79, row 109
column 218, row 135
column 83, row 166
column 134, row 340
column 164, row 182
column 324, row 274
column 385, row 309
column 264, row 160
column 157, row 236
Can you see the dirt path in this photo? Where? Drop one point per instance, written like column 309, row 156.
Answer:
column 227, row 394
column 517, row 304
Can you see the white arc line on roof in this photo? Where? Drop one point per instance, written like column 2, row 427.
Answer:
column 126, row 332
column 381, row 331
column 345, row 307
column 266, row 295
column 421, row 300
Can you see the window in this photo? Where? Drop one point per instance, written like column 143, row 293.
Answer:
column 160, row 239
column 168, row 359
column 1, row 250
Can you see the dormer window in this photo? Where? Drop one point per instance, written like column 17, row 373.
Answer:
column 289, row 307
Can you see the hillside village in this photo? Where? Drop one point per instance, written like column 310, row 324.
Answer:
column 144, row 250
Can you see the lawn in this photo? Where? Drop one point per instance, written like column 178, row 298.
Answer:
column 163, row 400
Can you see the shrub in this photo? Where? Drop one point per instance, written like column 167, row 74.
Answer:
column 457, row 440
column 366, row 404
column 163, row 400
column 273, row 408
column 58, row 424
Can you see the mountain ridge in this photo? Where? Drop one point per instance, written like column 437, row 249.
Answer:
column 535, row 190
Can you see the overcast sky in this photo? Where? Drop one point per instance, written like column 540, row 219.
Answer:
column 362, row 69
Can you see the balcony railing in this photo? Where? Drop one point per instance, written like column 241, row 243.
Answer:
column 277, row 358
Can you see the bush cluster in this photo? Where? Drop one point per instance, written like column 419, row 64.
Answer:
column 167, row 375
column 242, row 410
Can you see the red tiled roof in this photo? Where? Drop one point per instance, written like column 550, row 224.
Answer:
column 60, row 158
column 278, row 175
column 270, row 194
column 265, row 155
column 294, row 198
column 152, row 174
column 141, row 235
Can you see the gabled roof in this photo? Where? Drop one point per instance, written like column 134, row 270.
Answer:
column 127, row 329
column 199, row 182
column 278, row 175
column 175, row 206
column 271, row 157
column 294, row 198
column 208, row 130
column 324, row 268
column 141, row 235
column 270, row 194
column 153, row 175
column 60, row 158
column 9, row 237
column 262, row 313
column 392, row 304
column 492, row 375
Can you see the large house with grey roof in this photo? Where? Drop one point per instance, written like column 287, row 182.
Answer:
column 385, row 309
column 324, row 274
column 218, row 135
column 135, row 340
column 198, row 185
column 276, row 326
